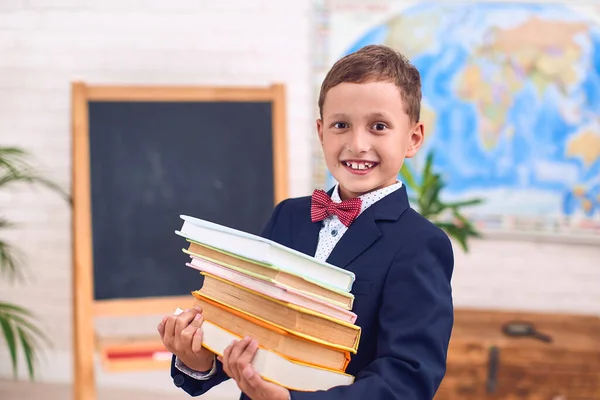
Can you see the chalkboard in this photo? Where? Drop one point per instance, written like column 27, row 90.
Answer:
column 151, row 162
column 142, row 156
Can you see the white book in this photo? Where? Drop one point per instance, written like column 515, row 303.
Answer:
column 265, row 251
column 275, row 368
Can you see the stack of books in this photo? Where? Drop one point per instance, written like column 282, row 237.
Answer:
column 296, row 307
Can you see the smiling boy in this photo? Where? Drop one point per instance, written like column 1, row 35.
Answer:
column 369, row 123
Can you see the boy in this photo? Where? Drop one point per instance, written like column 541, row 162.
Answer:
column 369, row 123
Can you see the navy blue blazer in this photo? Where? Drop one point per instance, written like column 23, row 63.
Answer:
column 403, row 298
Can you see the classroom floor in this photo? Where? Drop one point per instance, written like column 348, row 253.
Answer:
column 21, row 390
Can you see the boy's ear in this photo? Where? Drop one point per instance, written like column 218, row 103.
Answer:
column 417, row 136
column 320, row 130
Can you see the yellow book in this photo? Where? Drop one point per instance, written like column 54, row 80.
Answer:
column 292, row 375
column 290, row 346
column 290, row 317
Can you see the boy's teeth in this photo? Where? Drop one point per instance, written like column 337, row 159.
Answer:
column 355, row 165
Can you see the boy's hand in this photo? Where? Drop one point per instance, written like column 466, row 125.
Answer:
column 237, row 360
column 182, row 335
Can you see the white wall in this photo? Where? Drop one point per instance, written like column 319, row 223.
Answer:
column 46, row 44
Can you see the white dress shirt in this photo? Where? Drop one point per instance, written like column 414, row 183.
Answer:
column 332, row 230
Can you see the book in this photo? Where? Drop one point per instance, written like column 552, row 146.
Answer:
column 290, row 317
column 270, row 273
column 272, row 288
column 265, row 251
column 275, row 368
column 291, row 346
column 297, row 307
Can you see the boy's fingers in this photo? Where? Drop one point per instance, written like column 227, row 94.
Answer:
column 237, row 361
column 188, row 333
column 247, row 355
column 197, row 321
column 186, row 337
column 161, row 327
column 197, row 341
column 236, row 350
column 183, row 320
column 169, row 331
column 225, row 360
column 251, row 378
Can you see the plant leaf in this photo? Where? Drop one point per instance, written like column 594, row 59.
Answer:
column 430, row 205
column 4, row 223
column 9, row 337
column 10, row 262
column 31, row 178
column 28, row 350
column 465, row 203
column 21, row 321
column 432, row 196
column 428, row 164
column 456, row 233
column 19, row 315
column 408, row 178
column 13, row 159
column 31, row 327
column 15, row 167
column 9, row 308
column 19, row 326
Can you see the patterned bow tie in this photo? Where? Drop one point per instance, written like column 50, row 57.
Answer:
column 322, row 206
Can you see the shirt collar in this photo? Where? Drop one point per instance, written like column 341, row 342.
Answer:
column 368, row 199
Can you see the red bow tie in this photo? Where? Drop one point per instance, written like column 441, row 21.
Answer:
column 322, row 206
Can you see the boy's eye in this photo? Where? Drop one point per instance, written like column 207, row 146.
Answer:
column 340, row 125
column 379, row 126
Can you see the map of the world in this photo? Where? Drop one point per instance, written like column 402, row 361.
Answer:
column 511, row 101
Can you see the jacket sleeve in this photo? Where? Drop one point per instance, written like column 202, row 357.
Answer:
column 415, row 323
column 197, row 387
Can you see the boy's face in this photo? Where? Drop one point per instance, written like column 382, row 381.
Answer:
column 366, row 135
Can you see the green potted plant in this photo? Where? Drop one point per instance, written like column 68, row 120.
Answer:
column 426, row 190
column 19, row 327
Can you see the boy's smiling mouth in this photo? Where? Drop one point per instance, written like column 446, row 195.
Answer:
column 359, row 166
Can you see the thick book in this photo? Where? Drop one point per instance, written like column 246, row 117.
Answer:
column 270, row 273
column 270, row 337
column 290, row 317
column 273, row 289
column 275, row 368
column 265, row 251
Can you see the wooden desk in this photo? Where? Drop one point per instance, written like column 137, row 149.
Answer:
column 485, row 364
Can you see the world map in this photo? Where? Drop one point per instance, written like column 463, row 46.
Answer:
column 511, row 102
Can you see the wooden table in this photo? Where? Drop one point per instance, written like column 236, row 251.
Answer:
column 486, row 364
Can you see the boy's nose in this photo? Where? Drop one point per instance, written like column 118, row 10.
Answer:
column 359, row 142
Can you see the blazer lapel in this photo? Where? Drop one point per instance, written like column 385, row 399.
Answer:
column 364, row 230
column 308, row 235
column 360, row 236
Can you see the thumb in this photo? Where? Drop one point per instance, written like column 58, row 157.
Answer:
column 251, row 377
column 197, row 341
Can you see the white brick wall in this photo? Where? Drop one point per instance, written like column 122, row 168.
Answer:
column 46, row 44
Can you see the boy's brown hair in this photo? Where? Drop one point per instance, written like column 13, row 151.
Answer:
column 377, row 63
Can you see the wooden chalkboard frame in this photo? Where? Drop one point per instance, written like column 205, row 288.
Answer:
column 85, row 306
